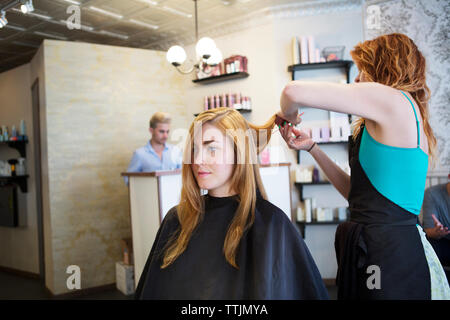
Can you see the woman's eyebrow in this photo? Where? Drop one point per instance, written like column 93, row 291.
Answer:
column 209, row 141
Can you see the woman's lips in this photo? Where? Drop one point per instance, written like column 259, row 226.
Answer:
column 203, row 174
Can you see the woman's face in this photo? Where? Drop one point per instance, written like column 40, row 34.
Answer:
column 213, row 161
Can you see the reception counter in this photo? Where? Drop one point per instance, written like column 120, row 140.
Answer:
column 153, row 194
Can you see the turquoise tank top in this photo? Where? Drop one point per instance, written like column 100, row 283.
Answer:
column 399, row 174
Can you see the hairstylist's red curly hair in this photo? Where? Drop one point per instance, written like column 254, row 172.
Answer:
column 394, row 60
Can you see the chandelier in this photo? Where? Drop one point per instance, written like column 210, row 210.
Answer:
column 207, row 53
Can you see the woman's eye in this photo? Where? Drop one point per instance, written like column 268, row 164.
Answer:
column 212, row 150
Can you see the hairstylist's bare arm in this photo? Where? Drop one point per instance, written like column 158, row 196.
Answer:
column 299, row 140
column 370, row 100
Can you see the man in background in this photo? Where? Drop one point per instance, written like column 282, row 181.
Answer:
column 156, row 155
column 436, row 221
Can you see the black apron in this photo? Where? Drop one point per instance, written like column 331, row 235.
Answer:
column 386, row 237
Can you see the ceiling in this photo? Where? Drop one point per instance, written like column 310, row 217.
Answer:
column 149, row 24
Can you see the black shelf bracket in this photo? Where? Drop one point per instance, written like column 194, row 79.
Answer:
column 20, row 181
column 19, row 145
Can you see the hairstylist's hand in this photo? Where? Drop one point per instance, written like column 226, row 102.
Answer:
column 295, row 138
column 295, row 118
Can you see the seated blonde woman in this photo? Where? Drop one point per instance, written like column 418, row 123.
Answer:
column 231, row 243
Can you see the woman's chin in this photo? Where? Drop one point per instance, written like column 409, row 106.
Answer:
column 204, row 185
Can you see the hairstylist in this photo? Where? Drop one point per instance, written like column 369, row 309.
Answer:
column 382, row 252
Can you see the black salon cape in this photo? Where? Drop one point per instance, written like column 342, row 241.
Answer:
column 274, row 261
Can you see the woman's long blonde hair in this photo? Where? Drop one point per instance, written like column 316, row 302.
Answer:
column 245, row 181
column 394, row 60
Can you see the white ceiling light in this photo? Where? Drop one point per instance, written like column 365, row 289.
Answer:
column 86, row 28
column 113, row 34
column 3, row 20
column 143, row 24
column 83, row 27
column 205, row 47
column 26, row 44
column 41, row 16
column 44, row 34
column 34, row 14
column 216, row 57
column 27, row 6
column 150, row 2
column 106, row 13
column 73, row 2
column 177, row 12
column 17, row 28
column 207, row 52
column 176, row 55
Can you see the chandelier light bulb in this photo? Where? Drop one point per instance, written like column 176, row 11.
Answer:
column 216, row 57
column 3, row 20
column 176, row 55
column 205, row 47
column 27, row 7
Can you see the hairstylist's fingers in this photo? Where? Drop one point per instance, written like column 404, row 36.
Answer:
column 289, row 131
column 300, row 134
column 285, row 128
column 296, row 131
column 283, row 132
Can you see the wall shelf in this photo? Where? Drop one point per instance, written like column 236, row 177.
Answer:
column 19, row 145
column 21, row 181
column 303, row 224
column 222, row 77
column 346, row 64
column 240, row 110
column 333, row 142
column 329, row 143
column 300, row 185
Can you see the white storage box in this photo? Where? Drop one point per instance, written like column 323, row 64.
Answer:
column 125, row 278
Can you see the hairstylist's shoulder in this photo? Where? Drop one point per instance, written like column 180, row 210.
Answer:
column 380, row 94
column 385, row 104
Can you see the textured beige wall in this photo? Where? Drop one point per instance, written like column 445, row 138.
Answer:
column 98, row 103
column 19, row 246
